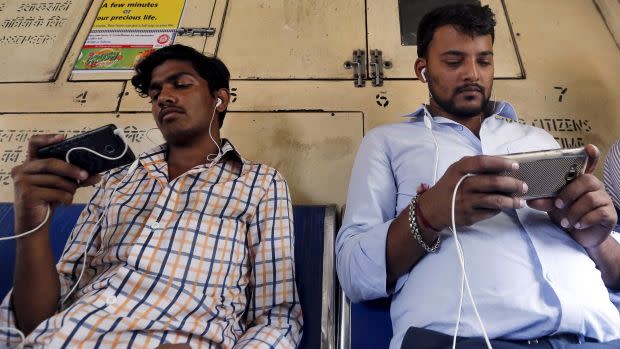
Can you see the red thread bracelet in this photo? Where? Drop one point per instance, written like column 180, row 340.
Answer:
column 423, row 219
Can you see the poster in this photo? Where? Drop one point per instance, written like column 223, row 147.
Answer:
column 124, row 32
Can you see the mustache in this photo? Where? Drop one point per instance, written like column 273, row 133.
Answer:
column 165, row 109
column 469, row 87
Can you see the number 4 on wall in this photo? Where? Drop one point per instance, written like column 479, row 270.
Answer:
column 81, row 98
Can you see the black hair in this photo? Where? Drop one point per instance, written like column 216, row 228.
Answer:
column 474, row 20
column 211, row 69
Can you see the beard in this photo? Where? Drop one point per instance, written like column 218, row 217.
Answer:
column 449, row 105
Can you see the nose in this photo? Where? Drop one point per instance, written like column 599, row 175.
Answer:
column 166, row 96
column 471, row 71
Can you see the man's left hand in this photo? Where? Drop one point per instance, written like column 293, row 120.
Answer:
column 583, row 208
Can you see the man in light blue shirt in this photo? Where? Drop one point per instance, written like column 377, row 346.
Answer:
column 542, row 273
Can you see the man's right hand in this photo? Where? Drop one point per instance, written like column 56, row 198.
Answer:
column 42, row 183
column 479, row 197
column 39, row 184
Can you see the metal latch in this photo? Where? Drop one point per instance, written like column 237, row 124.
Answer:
column 195, row 31
column 376, row 67
column 357, row 63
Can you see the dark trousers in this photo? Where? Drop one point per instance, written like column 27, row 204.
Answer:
column 418, row 338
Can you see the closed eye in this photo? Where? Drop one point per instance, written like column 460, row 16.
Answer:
column 182, row 85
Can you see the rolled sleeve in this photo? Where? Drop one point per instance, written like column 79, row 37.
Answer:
column 371, row 205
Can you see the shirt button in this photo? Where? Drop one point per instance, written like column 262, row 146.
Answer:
column 549, row 277
column 155, row 225
column 111, row 300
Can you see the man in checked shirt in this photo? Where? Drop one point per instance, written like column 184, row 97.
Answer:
column 195, row 248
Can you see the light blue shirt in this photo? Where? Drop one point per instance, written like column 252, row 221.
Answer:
column 528, row 277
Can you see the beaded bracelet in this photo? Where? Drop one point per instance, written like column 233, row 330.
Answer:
column 415, row 230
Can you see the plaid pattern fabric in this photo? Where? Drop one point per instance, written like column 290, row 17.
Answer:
column 611, row 173
column 204, row 259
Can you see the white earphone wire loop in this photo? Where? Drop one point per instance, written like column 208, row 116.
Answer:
column 90, row 236
column 147, row 134
column 464, row 279
column 48, row 211
column 47, row 216
column 212, row 157
column 120, row 134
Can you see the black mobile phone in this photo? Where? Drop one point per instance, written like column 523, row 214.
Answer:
column 547, row 172
column 95, row 151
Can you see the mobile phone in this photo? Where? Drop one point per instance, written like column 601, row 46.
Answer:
column 94, row 151
column 547, row 172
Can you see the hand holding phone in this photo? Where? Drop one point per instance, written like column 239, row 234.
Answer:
column 95, row 151
column 583, row 209
column 547, row 172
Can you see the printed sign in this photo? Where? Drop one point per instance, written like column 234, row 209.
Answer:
column 126, row 31
column 126, row 14
column 35, row 37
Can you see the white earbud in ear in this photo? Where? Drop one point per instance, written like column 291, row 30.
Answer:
column 218, row 103
column 423, row 73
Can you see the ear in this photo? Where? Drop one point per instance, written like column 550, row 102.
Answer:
column 420, row 64
column 224, row 95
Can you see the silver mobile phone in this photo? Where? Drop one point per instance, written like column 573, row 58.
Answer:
column 547, row 172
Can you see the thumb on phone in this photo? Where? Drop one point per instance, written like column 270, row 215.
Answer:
column 39, row 141
column 545, row 204
column 593, row 156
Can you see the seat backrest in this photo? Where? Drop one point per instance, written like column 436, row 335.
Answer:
column 365, row 325
column 315, row 228
column 62, row 222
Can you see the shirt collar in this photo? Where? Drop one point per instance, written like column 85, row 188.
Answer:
column 500, row 108
column 158, row 153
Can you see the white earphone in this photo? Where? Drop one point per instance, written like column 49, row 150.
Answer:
column 133, row 167
column 423, row 73
column 212, row 157
column 428, row 123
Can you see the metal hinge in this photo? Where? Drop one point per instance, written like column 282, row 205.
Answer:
column 357, row 63
column 195, row 31
column 376, row 67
